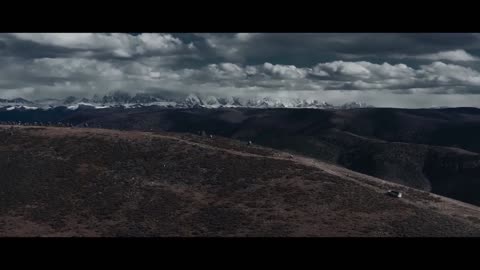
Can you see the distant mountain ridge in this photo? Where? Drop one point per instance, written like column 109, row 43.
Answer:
column 122, row 99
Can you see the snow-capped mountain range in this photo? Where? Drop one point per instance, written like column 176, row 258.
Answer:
column 121, row 99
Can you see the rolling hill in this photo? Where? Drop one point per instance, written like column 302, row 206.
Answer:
column 434, row 150
column 99, row 182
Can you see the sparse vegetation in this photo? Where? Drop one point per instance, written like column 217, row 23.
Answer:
column 62, row 181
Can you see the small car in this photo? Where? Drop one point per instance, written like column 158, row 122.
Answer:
column 396, row 194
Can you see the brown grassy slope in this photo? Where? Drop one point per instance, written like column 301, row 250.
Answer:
column 92, row 182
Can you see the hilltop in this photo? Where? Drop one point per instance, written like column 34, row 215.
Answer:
column 98, row 182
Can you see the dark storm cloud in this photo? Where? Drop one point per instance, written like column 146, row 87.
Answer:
column 388, row 68
column 28, row 50
column 306, row 49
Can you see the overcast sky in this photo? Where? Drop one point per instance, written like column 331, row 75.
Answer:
column 401, row 70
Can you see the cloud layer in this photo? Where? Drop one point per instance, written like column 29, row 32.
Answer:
column 404, row 70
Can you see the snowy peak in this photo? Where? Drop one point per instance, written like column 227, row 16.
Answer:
column 354, row 105
column 143, row 99
column 14, row 101
column 123, row 99
column 193, row 101
column 212, row 102
column 69, row 100
column 17, row 104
